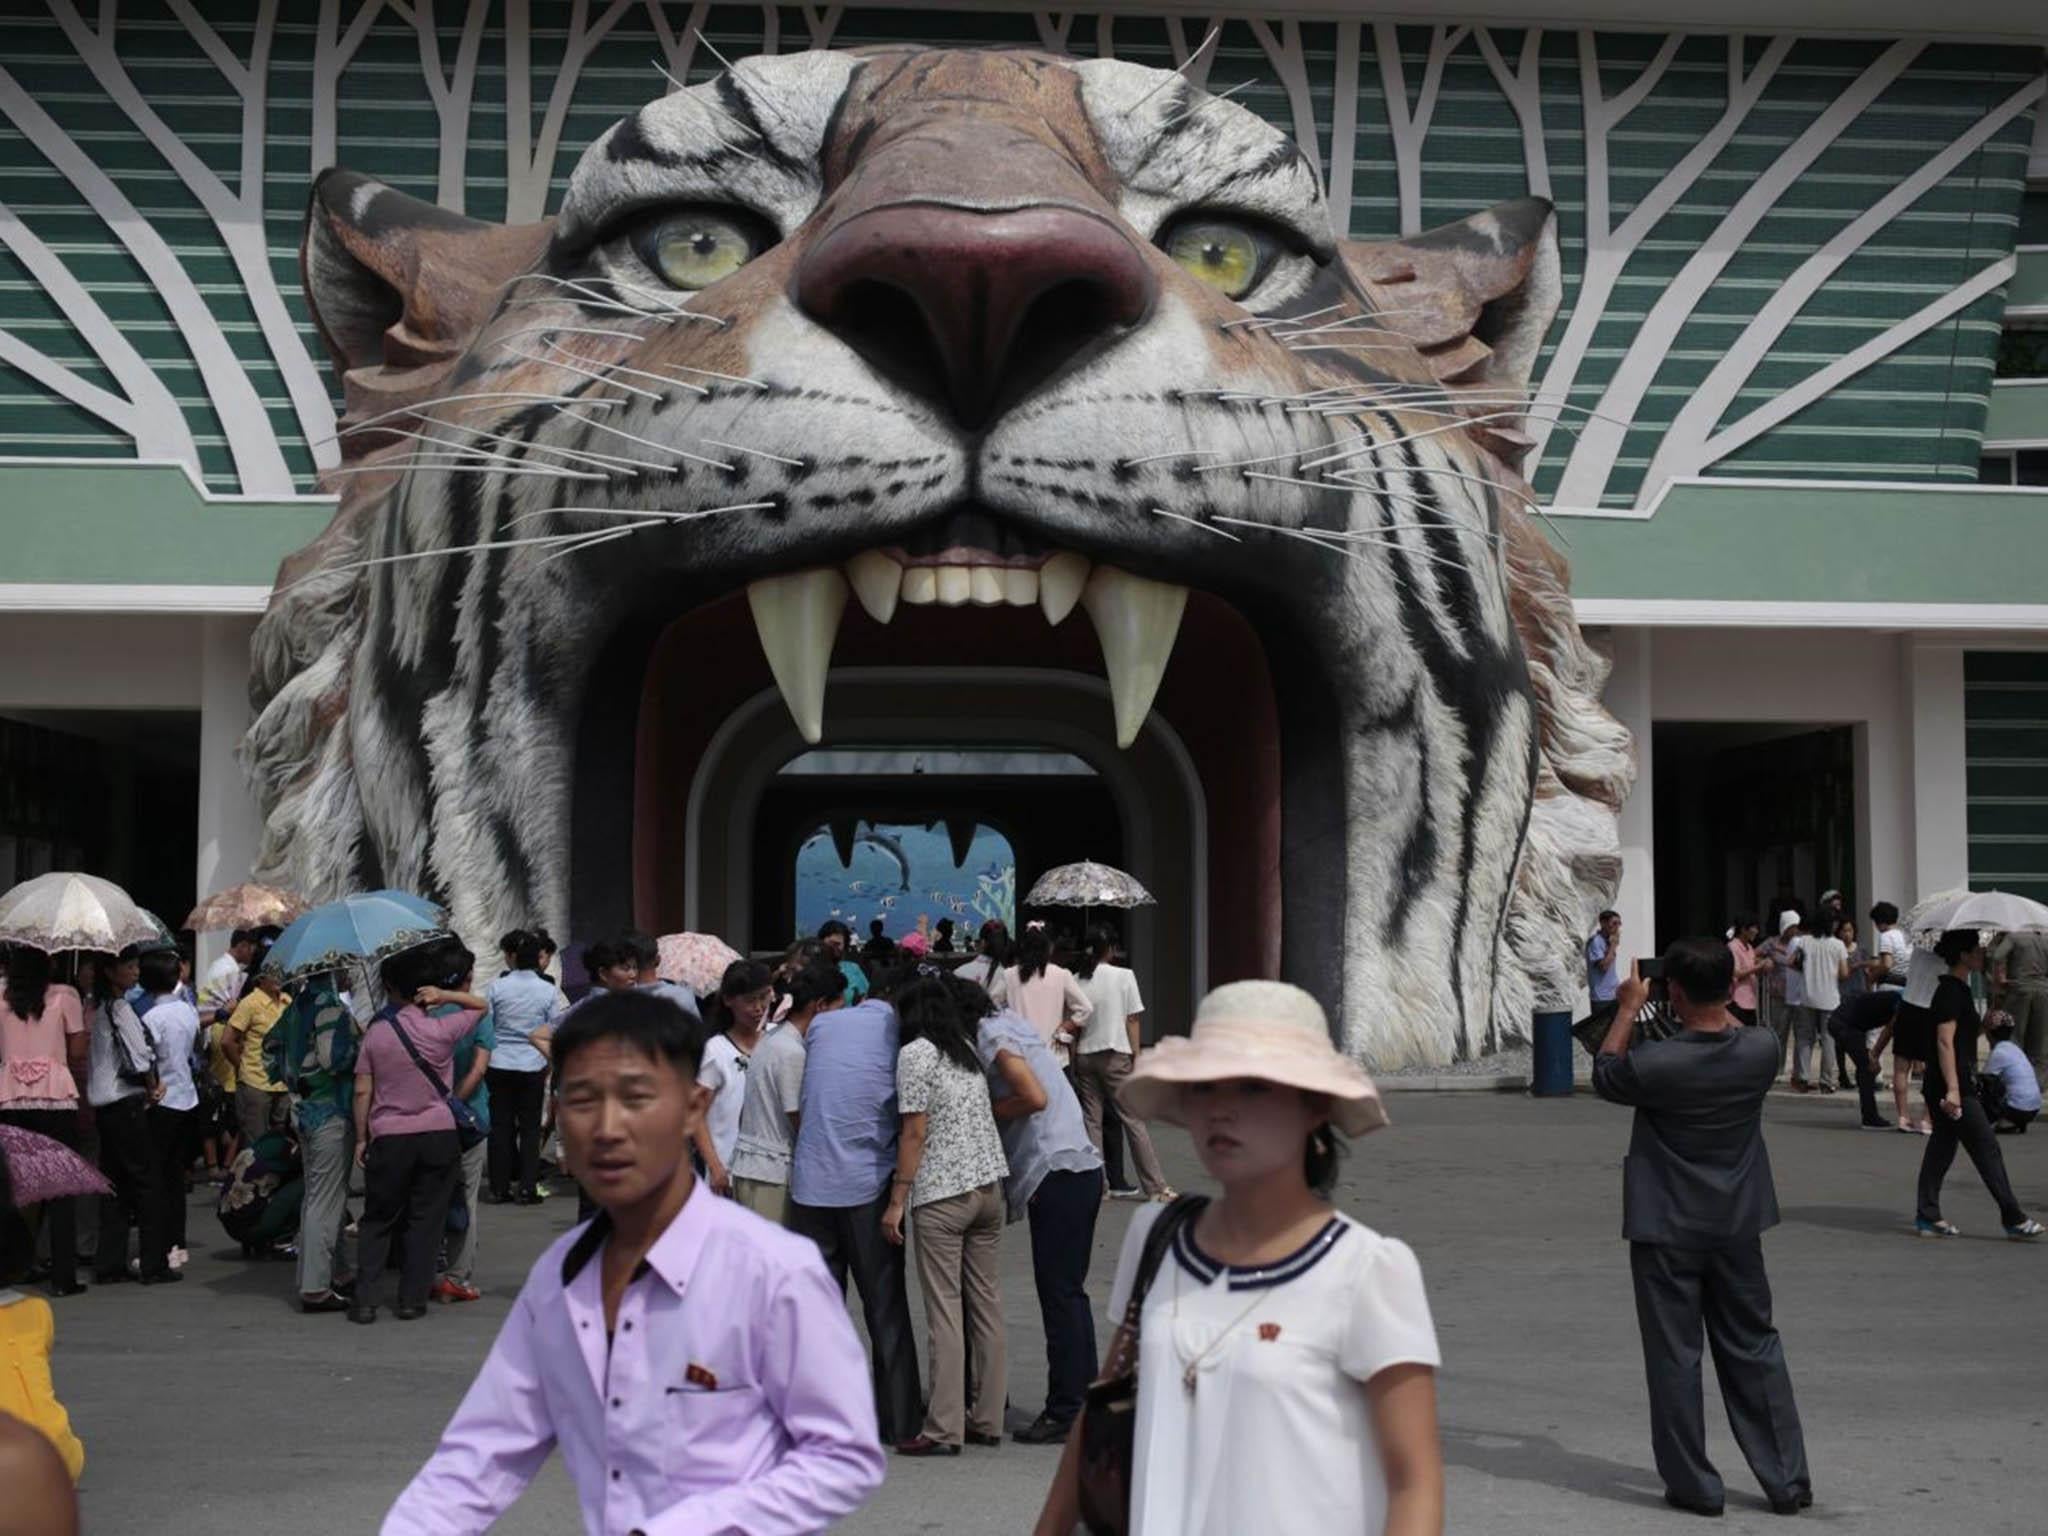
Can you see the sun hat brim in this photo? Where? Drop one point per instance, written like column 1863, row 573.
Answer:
column 1272, row 1053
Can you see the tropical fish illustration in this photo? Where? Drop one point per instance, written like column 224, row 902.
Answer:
column 858, row 887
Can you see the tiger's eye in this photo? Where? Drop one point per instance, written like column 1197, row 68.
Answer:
column 694, row 250
column 1225, row 256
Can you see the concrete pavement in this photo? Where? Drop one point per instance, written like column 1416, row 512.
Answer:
column 213, row 1407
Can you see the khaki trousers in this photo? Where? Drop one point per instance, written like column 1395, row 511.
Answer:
column 763, row 1198
column 1097, row 1076
column 958, row 1245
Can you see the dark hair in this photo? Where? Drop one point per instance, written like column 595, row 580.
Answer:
column 1740, row 921
column 1884, row 912
column 1101, row 945
column 971, row 997
column 818, row 982
column 644, row 1021
column 832, row 925
column 1956, row 943
column 876, row 926
column 242, row 936
column 641, row 947
column 1034, row 953
column 28, row 977
column 1606, row 913
column 1998, row 1025
column 994, row 941
column 742, row 977
column 103, row 988
column 159, row 971
column 606, row 953
column 926, row 1009
column 1702, row 967
column 457, row 963
column 523, row 945
column 545, row 941
column 424, row 965
column 943, row 925
column 1319, row 1163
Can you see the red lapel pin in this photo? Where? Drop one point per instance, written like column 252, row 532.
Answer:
column 1268, row 1332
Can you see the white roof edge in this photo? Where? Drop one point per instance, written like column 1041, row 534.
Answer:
column 218, row 498
column 1717, row 613
column 128, row 597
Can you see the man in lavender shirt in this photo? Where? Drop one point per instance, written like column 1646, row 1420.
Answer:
column 694, row 1363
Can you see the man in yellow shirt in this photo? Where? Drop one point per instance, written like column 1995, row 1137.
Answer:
column 260, row 1104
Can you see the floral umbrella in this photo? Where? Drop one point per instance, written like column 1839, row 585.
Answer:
column 42, row 1168
column 695, row 960
column 1087, row 884
column 247, row 905
column 65, row 910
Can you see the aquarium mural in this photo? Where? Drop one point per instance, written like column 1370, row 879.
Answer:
column 909, row 876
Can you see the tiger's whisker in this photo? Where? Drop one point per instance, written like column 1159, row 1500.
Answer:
column 457, row 465
column 1256, row 322
column 712, row 49
column 474, row 453
column 1200, row 49
column 489, row 545
column 588, row 373
column 1208, row 100
column 589, row 542
column 1195, row 522
column 713, row 373
column 418, row 408
column 1319, row 538
column 759, row 453
column 648, row 442
column 585, row 455
column 638, row 373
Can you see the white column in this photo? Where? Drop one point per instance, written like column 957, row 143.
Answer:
column 1885, row 855
column 1941, row 831
column 1628, row 698
column 229, row 826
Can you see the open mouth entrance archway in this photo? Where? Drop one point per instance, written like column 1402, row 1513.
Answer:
column 692, row 775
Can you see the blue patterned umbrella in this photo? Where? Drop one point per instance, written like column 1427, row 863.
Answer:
column 355, row 928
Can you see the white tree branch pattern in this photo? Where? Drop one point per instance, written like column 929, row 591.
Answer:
column 1362, row 111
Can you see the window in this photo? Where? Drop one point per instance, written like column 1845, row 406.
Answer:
column 2027, row 466
column 2023, row 352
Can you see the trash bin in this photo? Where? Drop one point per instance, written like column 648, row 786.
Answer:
column 1551, row 1073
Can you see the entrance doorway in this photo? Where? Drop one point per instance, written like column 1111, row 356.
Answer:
column 1751, row 817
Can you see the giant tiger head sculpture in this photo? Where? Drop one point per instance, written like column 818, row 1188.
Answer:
column 973, row 328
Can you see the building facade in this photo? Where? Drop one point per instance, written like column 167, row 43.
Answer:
column 1791, row 422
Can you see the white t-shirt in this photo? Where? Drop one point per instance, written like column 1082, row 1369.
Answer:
column 1897, row 948
column 1113, row 990
column 1277, row 1437
column 1820, row 959
column 222, row 988
column 775, row 1091
column 724, row 1072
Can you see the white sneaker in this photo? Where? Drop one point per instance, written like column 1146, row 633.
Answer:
column 179, row 1258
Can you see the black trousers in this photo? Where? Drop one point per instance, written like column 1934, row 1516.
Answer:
column 1972, row 1132
column 517, row 1099
column 129, row 1162
column 850, row 1238
column 1062, row 1215
column 17, row 1239
column 407, row 1183
column 1677, row 1291
column 170, row 1142
column 1113, row 1146
column 1850, row 1043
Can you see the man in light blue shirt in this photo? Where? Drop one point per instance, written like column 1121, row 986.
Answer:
column 839, row 1180
column 1603, row 959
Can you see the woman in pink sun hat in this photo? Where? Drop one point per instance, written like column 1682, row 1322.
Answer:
column 1285, row 1356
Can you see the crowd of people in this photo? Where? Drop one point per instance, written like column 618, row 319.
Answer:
column 1835, row 1004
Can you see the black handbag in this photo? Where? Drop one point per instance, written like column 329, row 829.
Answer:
column 1109, row 1413
column 469, row 1130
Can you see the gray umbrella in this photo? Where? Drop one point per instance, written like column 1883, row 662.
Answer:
column 1087, row 884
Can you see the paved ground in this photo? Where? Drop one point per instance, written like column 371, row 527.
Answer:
column 212, row 1407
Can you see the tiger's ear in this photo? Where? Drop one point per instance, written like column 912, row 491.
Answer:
column 1476, row 297
column 398, row 286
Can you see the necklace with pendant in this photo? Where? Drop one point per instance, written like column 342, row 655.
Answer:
column 1190, row 1375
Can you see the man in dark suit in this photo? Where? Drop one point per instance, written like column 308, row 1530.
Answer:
column 1696, row 1199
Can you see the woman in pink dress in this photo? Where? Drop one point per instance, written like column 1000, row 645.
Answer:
column 1742, row 937
column 1047, row 995
column 43, row 1051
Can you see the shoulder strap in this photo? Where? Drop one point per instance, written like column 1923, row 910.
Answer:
column 1177, row 1215
column 417, row 1059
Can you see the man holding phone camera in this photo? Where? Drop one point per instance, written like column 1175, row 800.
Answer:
column 1697, row 1197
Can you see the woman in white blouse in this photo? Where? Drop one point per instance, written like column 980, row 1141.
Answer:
column 1286, row 1359
column 1047, row 995
column 949, row 1178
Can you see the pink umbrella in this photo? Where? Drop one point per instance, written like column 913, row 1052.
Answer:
column 40, row 1168
column 696, row 960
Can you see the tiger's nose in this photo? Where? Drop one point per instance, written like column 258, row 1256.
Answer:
column 974, row 309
